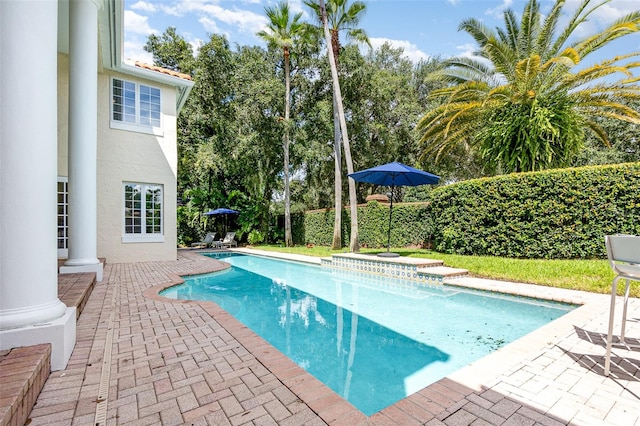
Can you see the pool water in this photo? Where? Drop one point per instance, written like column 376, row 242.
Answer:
column 373, row 340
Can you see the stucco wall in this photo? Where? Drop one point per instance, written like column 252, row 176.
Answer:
column 126, row 156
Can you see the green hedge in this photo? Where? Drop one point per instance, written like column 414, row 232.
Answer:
column 412, row 225
column 552, row 214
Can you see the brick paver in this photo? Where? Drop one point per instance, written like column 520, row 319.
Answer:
column 177, row 362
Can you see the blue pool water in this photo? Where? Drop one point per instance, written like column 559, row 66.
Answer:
column 373, row 340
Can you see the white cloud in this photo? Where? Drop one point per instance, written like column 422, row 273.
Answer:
column 245, row 20
column 453, row 2
column 196, row 44
column 135, row 51
column 498, row 10
column 467, row 50
column 411, row 51
column 297, row 6
column 144, row 6
column 137, row 24
column 606, row 13
column 604, row 16
column 209, row 25
column 610, row 12
column 211, row 14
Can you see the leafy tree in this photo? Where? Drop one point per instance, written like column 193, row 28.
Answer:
column 382, row 107
column 624, row 143
column 228, row 133
column 338, row 16
column 206, row 128
column 255, row 158
column 171, row 51
column 285, row 32
column 462, row 161
column 314, row 146
column 523, row 101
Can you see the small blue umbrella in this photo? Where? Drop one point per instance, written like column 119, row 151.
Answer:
column 222, row 211
column 394, row 174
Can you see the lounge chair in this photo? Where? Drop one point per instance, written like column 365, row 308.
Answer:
column 623, row 252
column 229, row 240
column 206, row 242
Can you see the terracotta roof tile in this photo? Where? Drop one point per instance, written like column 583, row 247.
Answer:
column 163, row 70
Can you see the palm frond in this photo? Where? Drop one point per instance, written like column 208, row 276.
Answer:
column 547, row 32
column 528, row 28
column 359, row 35
column 476, row 29
column 628, row 24
column 502, row 56
column 578, row 18
column 598, row 132
column 510, row 38
column 526, row 72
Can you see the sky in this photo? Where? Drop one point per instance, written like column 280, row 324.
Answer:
column 423, row 28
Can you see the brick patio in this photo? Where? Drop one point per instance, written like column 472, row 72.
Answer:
column 142, row 359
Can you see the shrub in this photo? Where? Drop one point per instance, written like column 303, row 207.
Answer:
column 552, row 214
column 255, row 237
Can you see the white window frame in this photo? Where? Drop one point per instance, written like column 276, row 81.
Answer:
column 137, row 126
column 63, row 217
column 143, row 236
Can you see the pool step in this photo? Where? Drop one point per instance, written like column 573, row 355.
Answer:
column 415, row 269
column 409, row 261
column 445, row 272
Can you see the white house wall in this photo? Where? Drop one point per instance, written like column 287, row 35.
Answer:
column 127, row 156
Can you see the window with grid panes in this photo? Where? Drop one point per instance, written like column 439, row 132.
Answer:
column 135, row 104
column 63, row 215
column 142, row 211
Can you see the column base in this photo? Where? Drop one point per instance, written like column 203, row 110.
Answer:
column 61, row 333
column 72, row 269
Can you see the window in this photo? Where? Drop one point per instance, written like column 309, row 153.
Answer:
column 142, row 213
column 135, row 106
column 63, row 217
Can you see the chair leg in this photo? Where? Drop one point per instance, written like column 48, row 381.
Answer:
column 607, row 357
column 624, row 310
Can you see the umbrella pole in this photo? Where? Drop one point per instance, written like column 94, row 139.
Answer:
column 388, row 253
column 390, row 213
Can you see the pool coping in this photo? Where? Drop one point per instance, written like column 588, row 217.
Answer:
column 431, row 401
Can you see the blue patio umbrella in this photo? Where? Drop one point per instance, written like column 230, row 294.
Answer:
column 220, row 212
column 394, row 174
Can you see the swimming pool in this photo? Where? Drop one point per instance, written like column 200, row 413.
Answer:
column 372, row 340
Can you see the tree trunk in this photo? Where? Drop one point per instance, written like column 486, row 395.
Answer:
column 337, row 224
column 354, row 244
column 288, row 239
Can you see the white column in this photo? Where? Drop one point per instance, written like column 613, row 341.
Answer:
column 30, row 311
column 83, row 135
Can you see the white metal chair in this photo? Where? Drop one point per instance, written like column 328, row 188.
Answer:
column 624, row 256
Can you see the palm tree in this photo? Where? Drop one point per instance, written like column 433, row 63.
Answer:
column 522, row 101
column 339, row 15
column 284, row 32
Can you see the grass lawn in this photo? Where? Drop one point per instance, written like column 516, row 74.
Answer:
column 587, row 275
